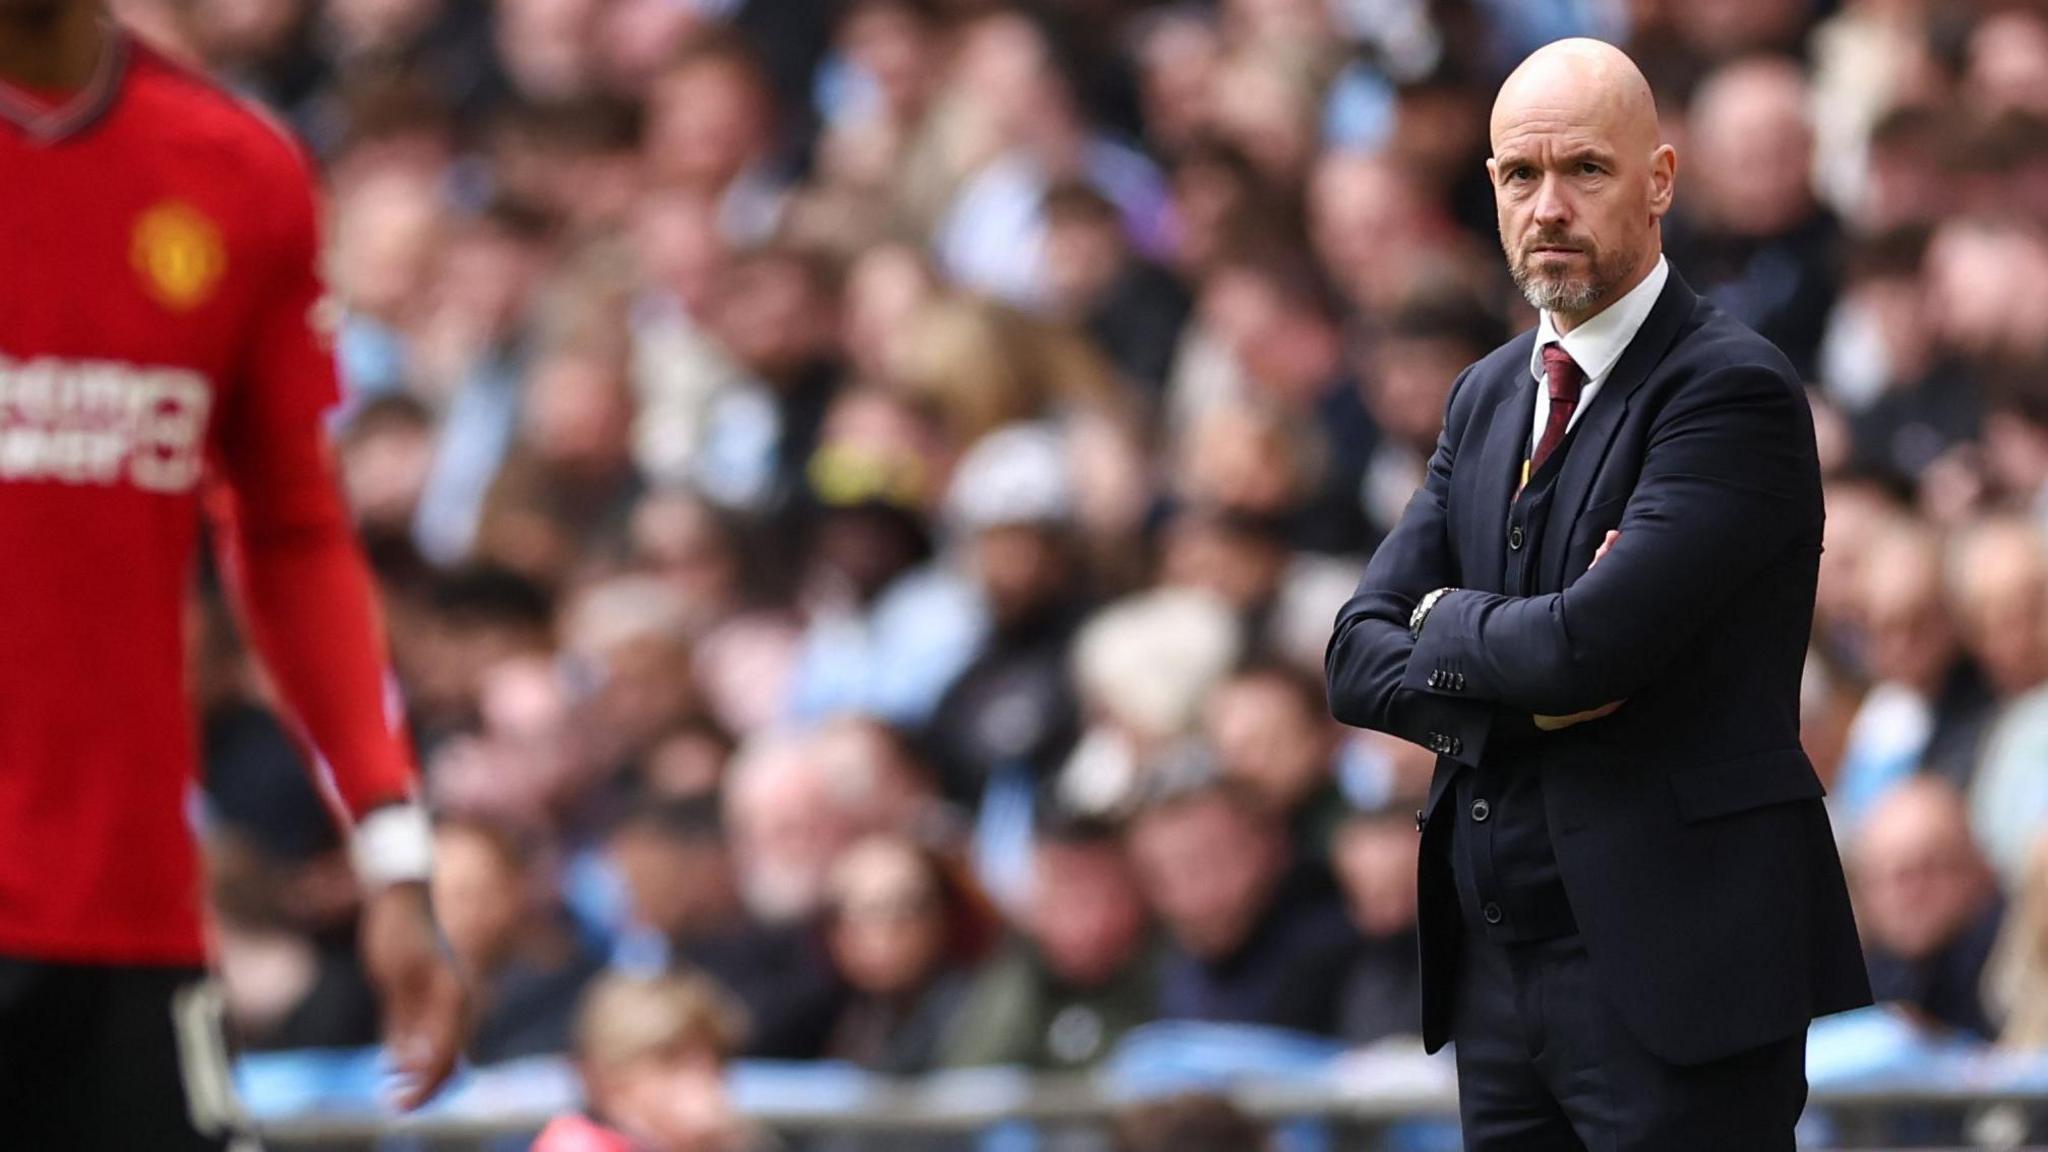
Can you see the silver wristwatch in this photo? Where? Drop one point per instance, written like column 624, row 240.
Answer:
column 1422, row 608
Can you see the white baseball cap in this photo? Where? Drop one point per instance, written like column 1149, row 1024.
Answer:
column 1015, row 475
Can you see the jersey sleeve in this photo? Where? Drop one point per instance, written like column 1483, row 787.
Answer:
column 288, row 546
column 288, row 372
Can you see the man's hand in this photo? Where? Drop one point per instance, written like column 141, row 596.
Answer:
column 1606, row 546
column 425, row 1014
column 1559, row 723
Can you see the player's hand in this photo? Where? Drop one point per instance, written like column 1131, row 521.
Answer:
column 423, row 1000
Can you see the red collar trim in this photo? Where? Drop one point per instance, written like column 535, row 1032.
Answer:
column 47, row 123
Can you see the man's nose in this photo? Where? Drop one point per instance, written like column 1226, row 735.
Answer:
column 1553, row 205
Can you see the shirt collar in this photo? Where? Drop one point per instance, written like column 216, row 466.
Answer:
column 49, row 123
column 1597, row 344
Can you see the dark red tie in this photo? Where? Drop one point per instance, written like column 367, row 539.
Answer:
column 1565, row 379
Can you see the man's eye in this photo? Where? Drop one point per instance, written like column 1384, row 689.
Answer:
column 1588, row 168
column 1521, row 172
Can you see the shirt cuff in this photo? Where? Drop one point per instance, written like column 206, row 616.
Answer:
column 393, row 845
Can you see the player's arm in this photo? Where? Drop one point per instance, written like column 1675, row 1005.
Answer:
column 1729, row 483
column 307, row 602
column 1368, row 658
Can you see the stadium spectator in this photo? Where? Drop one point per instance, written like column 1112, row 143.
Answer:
column 1094, row 280
column 1194, row 1123
column 1014, row 708
column 472, row 619
column 1405, row 374
column 524, row 960
column 1373, row 853
column 2016, row 985
column 683, row 909
column 1077, row 974
column 1272, row 735
column 1998, row 578
column 789, row 821
column 1751, row 235
column 889, row 626
column 2009, row 795
column 385, row 454
column 1248, row 942
column 1927, row 706
column 906, row 931
column 652, row 1053
column 1143, row 667
column 1929, row 906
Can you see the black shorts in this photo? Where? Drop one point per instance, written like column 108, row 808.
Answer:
column 102, row 1058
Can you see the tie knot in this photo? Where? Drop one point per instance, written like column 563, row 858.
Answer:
column 1562, row 372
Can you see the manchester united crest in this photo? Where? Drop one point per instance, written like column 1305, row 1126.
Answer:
column 179, row 254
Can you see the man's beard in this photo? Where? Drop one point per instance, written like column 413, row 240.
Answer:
column 1571, row 295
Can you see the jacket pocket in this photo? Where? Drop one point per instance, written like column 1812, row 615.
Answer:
column 1723, row 787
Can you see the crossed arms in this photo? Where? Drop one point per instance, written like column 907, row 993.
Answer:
column 1728, row 482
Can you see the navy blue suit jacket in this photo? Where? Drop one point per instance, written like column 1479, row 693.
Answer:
column 1688, row 826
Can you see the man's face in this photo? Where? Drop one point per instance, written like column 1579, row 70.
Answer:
column 1266, row 737
column 479, row 895
column 2004, row 610
column 1208, row 870
column 1919, row 881
column 1021, row 567
column 1578, row 202
column 1375, row 862
column 1084, row 912
column 787, row 829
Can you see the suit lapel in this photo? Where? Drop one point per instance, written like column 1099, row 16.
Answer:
column 1587, row 449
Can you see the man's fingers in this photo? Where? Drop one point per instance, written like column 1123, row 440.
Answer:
column 1606, row 543
column 1556, row 723
column 426, row 1038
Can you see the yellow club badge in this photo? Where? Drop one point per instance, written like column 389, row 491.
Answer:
column 179, row 253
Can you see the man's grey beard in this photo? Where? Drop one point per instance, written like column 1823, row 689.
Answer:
column 1569, row 295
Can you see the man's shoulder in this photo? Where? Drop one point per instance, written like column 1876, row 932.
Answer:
column 1712, row 340
column 245, row 142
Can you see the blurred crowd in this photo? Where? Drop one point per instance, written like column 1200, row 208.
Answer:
column 860, row 488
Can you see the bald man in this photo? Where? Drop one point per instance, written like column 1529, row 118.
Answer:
column 1595, row 612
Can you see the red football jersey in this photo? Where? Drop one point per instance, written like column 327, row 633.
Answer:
column 158, row 287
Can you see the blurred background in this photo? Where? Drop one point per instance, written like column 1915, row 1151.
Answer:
column 860, row 489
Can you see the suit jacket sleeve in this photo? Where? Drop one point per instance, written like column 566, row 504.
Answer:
column 1729, row 482
column 1369, row 652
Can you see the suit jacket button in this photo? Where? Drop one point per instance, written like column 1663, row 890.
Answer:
column 1491, row 913
column 1456, row 745
column 1480, row 811
column 1515, row 538
column 1457, row 681
column 1436, row 679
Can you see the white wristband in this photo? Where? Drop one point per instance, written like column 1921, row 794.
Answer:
column 394, row 845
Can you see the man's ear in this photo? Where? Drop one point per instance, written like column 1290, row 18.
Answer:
column 1663, row 179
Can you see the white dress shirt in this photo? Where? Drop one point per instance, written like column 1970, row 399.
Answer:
column 1595, row 346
